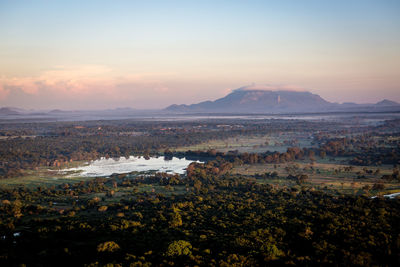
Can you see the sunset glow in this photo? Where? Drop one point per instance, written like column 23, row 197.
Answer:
column 150, row 54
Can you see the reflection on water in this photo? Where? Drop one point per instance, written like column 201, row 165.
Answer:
column 394, row 195
column 106, row 167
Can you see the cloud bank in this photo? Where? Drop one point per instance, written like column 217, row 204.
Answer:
column 80, row 86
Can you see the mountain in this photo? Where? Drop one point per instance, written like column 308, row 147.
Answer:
column 263, row 99
column 257, row 99
column 387, row 103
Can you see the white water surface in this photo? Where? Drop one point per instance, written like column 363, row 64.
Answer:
column 394, row 195
column 106, row 167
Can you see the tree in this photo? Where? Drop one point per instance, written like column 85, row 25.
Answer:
column 197, row 185
column 179, row 248
column 378, row 186
column 109, row 246
column 176, row 220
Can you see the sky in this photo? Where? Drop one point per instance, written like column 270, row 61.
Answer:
column 150, row 54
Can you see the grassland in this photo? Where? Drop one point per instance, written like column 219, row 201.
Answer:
column 43, row 179
column 44, row 176
column 254, row 144
column 327, row 176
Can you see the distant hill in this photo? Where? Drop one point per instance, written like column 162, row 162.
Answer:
column 9, row 111
column 387, row 103
column 253, row 99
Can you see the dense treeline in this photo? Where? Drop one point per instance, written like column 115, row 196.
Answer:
column 367, row 149
column 220, row 219
column 292, row 153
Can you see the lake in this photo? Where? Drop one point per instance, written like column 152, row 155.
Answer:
column 106, row 167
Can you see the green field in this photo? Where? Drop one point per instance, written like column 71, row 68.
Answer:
column 44, row 176
column 253, row 144
column 327, row 176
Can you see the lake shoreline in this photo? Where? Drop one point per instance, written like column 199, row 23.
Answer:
column 105, row 167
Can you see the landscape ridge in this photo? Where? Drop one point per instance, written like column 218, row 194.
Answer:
column 252, row 99
column 266, row 99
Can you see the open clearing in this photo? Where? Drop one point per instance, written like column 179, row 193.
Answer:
column 43, row 176
column 254, row 144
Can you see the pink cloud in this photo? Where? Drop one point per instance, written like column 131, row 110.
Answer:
column 85, row 82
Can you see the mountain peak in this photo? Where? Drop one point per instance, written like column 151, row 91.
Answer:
column 387, row 102
column 277, row 99
column 259, row 99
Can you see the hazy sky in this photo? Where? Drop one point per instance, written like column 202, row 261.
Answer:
column 149, row 54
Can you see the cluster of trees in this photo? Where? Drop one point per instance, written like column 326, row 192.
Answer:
column 300, row 178
column 365, row 150
column 220, row 220
column 292, row 154
column 377, row 157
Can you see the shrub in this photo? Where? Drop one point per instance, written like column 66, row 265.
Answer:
column 179, row 248
column 109, row 246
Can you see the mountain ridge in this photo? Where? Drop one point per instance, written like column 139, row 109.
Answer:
column 253, row 99
column 244, row 100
